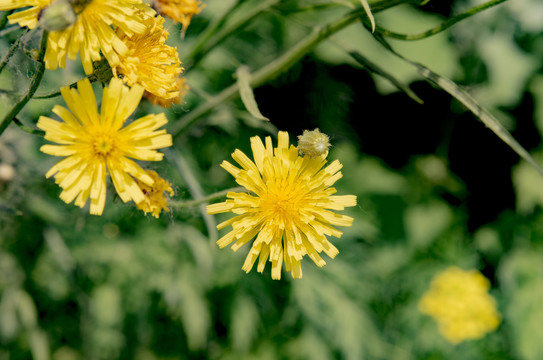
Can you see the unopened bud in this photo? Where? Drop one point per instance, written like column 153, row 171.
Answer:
column 58, row 16
column 313, row 143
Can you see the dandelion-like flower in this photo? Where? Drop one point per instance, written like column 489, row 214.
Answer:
column 459, row 301
column 180, row 11
column 155, row 201
column 95, row 144
column 27, row 17
column 287, row 208
column 92, row 32
column 149, row 61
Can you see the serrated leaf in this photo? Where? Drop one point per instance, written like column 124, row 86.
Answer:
column 246, row 92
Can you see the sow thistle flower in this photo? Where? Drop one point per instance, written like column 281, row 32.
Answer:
column 94, row 144
column 459, row 301
column 286, row 209
column 92, row 32
column 149, row 62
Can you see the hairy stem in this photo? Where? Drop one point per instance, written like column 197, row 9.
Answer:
column 40, row 69
column 12, row 50
column 206, row 199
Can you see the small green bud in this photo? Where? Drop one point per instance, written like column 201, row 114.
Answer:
column 313, row 143
column 58, row 16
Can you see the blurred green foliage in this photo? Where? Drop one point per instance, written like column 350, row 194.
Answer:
column 434, row 187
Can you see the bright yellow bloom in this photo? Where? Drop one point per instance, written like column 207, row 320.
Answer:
column 92, row 32
column 180, row 11
column 459, row 301
column 182, row 88
column 286, row 208
column 28, row 17
column 154, row 201
column 149, row 62
column 95, row 144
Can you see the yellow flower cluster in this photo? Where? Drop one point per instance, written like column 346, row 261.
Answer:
column 459, row 301
column 128, row 33
column 287, row 211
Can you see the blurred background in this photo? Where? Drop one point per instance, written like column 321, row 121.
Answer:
column 435, row 188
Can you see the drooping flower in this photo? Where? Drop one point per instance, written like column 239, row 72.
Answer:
column 92, row 32
column 182, row 88
column 287, row 208
column 96, row 144
column 27, row 17
column 180, row 11
column 459, row 301
column 149, row 62
column 155, row 201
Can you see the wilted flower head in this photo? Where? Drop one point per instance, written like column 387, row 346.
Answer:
column 182, row 88
column 287, row 210
column 155, row 200
column 459, row 301
column 180, row 11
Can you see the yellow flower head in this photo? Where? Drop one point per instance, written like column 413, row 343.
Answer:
column 286, row 209
column 149, row 62
column 92, row 32
column 180, row 11
column 459, row 301
column 94, row 144
column 182, row 88
column 28, row 17
column 154, row 201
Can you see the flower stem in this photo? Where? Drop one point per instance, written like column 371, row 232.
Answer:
column 206, row 199
column 35, row 82
column 11, row 51
column 445, row 25
column 281, row 64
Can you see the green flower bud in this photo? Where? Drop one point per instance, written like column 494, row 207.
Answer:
column 58, row 16
column 313, row 143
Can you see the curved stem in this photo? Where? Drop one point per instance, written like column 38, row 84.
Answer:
column 209, row 198
column 27, row 129
column 12, row 50
column 281, row 64
column 40, row 69
column 445, row 25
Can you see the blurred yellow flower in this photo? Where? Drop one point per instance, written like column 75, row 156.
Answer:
column 155, row 201
column 459, row 301
column 286, row 209
column 92, row 32
column 149, row 62
column 28, row 17
column 180, row 11
column 94, row 144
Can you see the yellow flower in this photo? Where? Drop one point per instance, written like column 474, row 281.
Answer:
column 28, row 17
column 95, row 144
column 459, row 301
column 149, row 62
column 182, row 88
column 154, row 201
column 92, row 32
column 180, row 11
column 286, row 208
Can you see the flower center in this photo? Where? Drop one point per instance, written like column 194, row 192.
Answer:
column 103, row 144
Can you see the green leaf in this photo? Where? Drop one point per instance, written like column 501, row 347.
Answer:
column 246, row 93
column 367, row 9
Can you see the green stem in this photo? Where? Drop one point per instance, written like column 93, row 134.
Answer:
column 209, row 198
column 445, row 25
column 280, row 65
column 208, row 42
column 4, row 19
column 12, row 50
column 195, row 190
column 27, row 129
column 40, row 69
